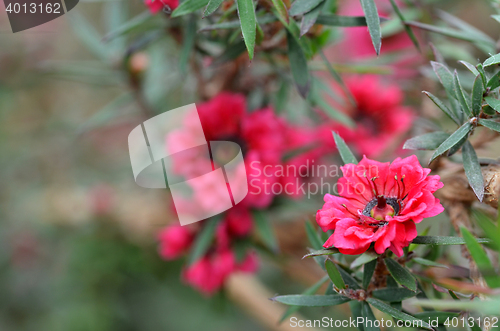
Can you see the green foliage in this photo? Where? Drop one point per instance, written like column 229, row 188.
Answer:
column 345, row 153
column 400, row 274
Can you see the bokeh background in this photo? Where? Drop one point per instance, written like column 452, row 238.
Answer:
column 77, row 235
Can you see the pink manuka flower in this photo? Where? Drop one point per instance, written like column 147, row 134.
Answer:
column 155, row 6
column 379, row 203
column 175, row 240
column 380, row 116
column 209, row 273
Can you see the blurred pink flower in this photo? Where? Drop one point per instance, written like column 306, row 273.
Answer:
column 209, row 273
column 174, row 240
column 380, row 117
column 379, row 203
column 155, row 6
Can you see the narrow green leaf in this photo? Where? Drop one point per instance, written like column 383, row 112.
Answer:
column 298, row 65
column 494, row 81
column 489, row 229
column 428, row 141
column 492, row 60
column 337, row 20
column 392, row 294
column 445, row 31
column 337, row 77
column 204, row 239
column 334, row 274
column 246, row 13
column 401, row 275
column 321, row 252
column 385, row 308
column 451, row 114
column 480, row 68
column 300, row 7
column 477, row 95
column 368, row 270
column 373, row 22
column 368, row 315
column 189, row 33
column 212, row 7
column 440, row 316
column 310, row 18
column 408, row 30
column 311, row 300
column 188, row 7
column 461, row 96
column 282, row 11
column 471, row 67
column 473, row 170
column 446, row 78
column 429, row 263
column 493, row 103
column 356, row 310
column 348, row 279
column 313, row 237
column 140, row 22
column 442, row 240
column 481, row 259
column 453, row 139
column 311, row 290
column 261, row 20
column 265, row 231
column 345, row 152
column 363, row 259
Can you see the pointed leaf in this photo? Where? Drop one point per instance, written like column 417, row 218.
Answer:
column 348, row 279
column 373, row 22
column 211, row 7
column 473, row 170
column 281, row 10
column 246, row 13
column 265, row 231
column 356, row 310
column 189, row 6
column 345, row 152
column 392, row 294
column 204, row 239
column 481, row 259
column 451, row 114
column 337, row 20
column 298, row 65
column 477, row 95
column 493, row 103
column 311, row 300
column 385, row 308
column 494, row 81
column 321, row 252
column 460, row 95
column 428, row 141
column 429, row 263
column 300, row 7
column 401, row 274
column 492, row 60
column 363, row 259
column 334, row 274
column 407, row 28
column 471, row 67
column 313, row 237
column 310, row 18
column 489, row 229
column 368, row 315
column 453, row 140
column 311, row 290
column 442, row 240
column 368, row 270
